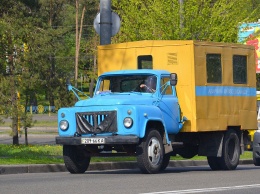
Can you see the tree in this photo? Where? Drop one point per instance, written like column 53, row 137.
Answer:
column 12, row 37
column 91, row 41
column 27, row 70
column 50, row 48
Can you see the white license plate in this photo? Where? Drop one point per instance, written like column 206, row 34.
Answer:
column 92, row 140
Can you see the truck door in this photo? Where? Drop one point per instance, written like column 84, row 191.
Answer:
column 169, row 106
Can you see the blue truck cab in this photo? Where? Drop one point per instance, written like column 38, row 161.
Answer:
column 132, row 112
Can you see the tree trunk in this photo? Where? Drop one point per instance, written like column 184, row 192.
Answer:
column 78, row 37
column 15, row 131
column 25, row 129
column 77, row 44
column 181, row 12
column 14, row 102
column 26, row 136
column 92, row 82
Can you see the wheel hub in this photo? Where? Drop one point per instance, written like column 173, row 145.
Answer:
column 154, row 151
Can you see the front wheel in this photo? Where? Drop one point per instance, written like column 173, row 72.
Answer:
column 166, row 161
column 150, row 153
column 76, row 159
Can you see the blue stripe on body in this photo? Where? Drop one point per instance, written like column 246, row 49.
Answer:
column 225, row 91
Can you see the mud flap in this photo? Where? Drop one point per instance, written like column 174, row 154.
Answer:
column 211, row 144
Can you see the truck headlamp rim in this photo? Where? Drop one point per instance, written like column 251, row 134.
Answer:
column 128, row 122
column 64, row 125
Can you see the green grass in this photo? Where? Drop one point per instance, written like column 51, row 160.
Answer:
column 46, row 124
column 52, row 154
column 32, row 154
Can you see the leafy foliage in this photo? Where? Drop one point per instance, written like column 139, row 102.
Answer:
column 192, row 19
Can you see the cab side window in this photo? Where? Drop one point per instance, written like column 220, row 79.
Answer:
column 105, row 85
column 168, row 90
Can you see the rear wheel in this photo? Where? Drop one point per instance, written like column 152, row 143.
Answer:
column 214, row 163
column 76, row 159
column 150, row 153
column 230, row 153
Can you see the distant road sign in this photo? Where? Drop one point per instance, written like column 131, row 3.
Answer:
column 115, row 23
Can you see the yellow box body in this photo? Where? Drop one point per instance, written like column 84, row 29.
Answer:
column 188, row 60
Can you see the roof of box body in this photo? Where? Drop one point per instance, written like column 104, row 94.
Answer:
column 159, row 43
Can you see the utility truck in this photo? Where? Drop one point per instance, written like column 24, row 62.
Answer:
column 157, row 99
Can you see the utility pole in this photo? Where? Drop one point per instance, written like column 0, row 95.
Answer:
column 105, row 22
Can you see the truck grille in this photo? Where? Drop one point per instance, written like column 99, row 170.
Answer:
column 96, row 122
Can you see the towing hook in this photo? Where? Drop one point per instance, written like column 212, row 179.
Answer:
column 76, row 134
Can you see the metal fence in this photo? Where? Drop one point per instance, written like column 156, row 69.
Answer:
column 40, row 109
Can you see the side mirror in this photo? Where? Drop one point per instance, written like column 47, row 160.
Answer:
column 74, row 90
column 173, row 79
column 68, row 84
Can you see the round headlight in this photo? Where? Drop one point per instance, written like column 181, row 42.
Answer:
column 128, row 122
column 64, row 125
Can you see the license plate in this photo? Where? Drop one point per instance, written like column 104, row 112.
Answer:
column 92, row 140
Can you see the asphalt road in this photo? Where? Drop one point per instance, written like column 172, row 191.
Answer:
column 174, row 180
column 40, row 139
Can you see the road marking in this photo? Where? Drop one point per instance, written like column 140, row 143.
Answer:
column 203, row 190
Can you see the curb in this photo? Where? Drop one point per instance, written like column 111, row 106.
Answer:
column 46, row 168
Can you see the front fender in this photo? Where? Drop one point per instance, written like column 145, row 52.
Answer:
column 146, row 114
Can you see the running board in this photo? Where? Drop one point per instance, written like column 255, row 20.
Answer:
column 169, row 147
column 177, row 144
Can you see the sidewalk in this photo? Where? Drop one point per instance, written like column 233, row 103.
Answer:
column 47, row 168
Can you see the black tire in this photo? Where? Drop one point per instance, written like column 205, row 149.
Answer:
column 166, row 161
column 76, row 159
column 255, row 160
column 231, row 151
column 214, row 163
column 150, row 153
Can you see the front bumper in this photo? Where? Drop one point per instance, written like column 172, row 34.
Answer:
column 109, row 140
column 256, row 144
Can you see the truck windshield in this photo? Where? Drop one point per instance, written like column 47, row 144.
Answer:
column 128, row 83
